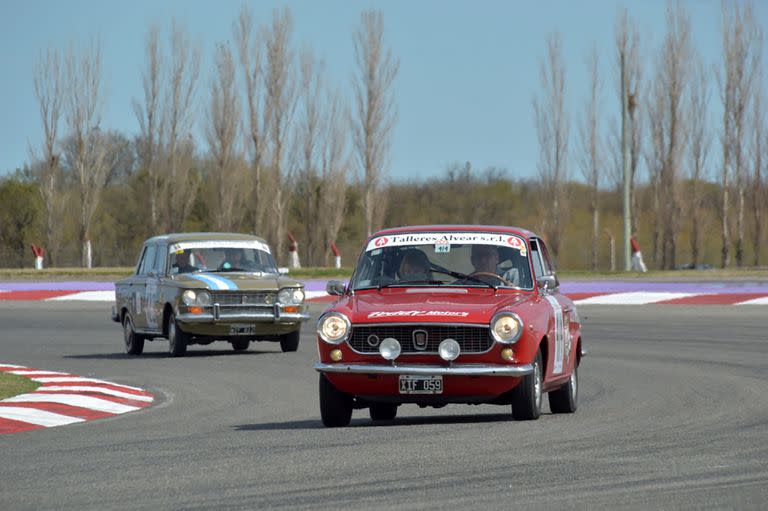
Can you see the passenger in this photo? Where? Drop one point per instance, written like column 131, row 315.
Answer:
column 182, row 264
column 414, row 266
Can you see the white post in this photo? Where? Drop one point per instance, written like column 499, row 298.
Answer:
column 337, row 261
column 88, row 254
column 39, row 262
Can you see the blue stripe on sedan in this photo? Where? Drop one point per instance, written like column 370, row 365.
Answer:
column 217, row 283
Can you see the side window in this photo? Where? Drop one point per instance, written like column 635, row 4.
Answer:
column 159, row 267
column 142, row 256
column 536, row 258
column 148, row 261
column 548, row 263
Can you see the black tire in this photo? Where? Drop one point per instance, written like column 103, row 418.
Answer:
column 134, row 343
column 383, row 411
column 240, row 344
column 566, row 398
column 527, row 396
column 177, row 340
column 335, row 406
column 290, row 342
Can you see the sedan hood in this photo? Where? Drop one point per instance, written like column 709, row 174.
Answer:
column 234, row 281
column 414, row 305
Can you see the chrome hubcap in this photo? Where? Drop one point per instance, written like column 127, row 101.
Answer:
column 537, row 385
column 574, row 384
column 128, row 331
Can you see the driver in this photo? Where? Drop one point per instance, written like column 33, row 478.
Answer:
column 235, row 259
column 485, row 259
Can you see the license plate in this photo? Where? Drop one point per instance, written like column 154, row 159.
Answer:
column 421, row 384
column 242, row 329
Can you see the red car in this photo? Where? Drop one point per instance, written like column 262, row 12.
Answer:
column 449, row 314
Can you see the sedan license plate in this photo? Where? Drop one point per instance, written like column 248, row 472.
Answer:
column 421, row 384
column 242, row 329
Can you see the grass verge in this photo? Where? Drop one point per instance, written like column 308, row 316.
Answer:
column 13, row 385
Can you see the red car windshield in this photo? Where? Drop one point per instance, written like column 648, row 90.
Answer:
column 444, row 259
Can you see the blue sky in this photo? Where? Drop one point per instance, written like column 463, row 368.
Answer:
column 468, row 69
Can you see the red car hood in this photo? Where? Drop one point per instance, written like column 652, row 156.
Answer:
column 415, row 305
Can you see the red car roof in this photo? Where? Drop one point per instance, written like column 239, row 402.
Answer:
column 449, row 228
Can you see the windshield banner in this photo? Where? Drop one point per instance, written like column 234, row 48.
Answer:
column 187, row 245
column 443, row 238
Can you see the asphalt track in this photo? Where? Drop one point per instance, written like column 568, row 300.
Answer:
column 673, row 415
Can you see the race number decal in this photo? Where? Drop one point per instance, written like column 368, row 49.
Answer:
column 560, row 335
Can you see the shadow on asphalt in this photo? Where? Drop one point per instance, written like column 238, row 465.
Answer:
column 367, row 423
column 161, row 354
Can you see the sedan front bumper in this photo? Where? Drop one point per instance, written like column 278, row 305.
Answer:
column 428, row 370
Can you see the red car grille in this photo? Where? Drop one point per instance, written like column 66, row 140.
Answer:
column 472, row 339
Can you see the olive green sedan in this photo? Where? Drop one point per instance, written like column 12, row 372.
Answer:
column 197, row 288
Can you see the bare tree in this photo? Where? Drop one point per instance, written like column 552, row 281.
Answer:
column 250, row 57
column 49, row 94
column 309, row 184
column 742, row 51
column 223, row 135
column 376, row 111
column 757, row 150
column 627, row 40
column 280, row 102
column 591, row 160
column 698, row 151
column 179, row 181
column 323, row 175
column 150, row 138
column 671, row 86
column 334, row 170
column 87, row 152
column 552, row 128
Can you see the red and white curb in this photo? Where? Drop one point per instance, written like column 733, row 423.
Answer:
column 625, row 298
column 64, row 398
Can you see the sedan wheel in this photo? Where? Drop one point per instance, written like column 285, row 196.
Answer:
column 240, row 344
column 134, row 343
column 290, row 342
column 177, row 340
column 565, row 399
column 526, row 397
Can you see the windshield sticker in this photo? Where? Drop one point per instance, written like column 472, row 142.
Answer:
column 186, row 245
column 408, row 314
column 516, row 243
column 454, row 238
column 442, row 246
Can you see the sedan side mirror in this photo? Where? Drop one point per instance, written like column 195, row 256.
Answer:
column 546, row 282
column 336, row 288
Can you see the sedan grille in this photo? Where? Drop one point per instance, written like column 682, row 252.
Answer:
column 471, row 339
column 243, row 298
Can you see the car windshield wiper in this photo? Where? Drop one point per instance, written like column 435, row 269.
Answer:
column 460, row 276
column 399, row 283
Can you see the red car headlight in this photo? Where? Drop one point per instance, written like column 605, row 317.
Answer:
column 506, row 327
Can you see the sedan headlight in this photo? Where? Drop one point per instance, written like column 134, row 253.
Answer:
column 196, row 297
column 334, row 328
column 290, row 296
column 506, row 328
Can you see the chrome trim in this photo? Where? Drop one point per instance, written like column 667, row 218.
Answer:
column 461, row 291
column 421, row 323
column 428, row 370
column 216, row 311
column 422, row 353
column 242, row 318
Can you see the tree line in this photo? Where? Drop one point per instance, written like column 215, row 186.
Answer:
column 286, row 152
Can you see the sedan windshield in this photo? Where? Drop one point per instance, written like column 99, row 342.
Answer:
column 444, row 259
column 221, row 256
